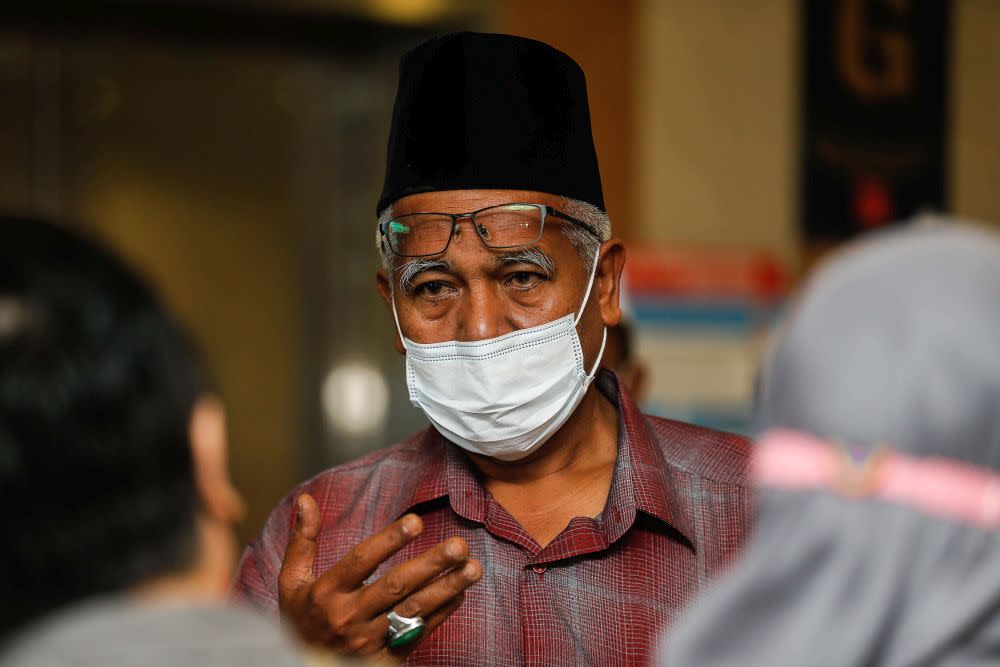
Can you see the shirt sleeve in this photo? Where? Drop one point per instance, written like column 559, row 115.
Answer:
column 256, row 580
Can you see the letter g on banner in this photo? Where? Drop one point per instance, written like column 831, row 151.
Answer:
column 858, row 37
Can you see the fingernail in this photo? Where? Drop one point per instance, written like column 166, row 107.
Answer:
column 471, row 571
column 410, row 524
column 454, row 549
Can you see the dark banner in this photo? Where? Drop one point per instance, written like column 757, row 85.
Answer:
column 874, row 113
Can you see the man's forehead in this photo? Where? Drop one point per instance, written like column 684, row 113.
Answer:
column 463, row 201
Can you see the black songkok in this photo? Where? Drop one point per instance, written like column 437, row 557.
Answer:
column 484, row 111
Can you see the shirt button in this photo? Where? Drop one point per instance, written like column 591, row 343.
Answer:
column 538, row 568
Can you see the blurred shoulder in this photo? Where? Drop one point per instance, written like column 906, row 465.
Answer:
column 716, row 455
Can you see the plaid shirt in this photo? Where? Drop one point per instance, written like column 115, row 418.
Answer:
column 601, row 593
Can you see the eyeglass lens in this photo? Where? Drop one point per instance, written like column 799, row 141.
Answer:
column 504, row 226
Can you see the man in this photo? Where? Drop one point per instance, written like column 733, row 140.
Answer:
column 542, row 519
column 117, row 504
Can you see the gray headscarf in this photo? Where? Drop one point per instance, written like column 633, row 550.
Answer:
column 896, row 340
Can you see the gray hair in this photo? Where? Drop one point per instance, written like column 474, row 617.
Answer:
column 586, row 244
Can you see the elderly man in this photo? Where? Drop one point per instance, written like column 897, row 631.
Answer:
column 542, row 519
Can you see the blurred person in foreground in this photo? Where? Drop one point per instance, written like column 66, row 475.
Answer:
column 876, row 539
column 117, row 503
column 586, row 524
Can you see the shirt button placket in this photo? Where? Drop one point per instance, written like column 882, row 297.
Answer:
column 536, row 610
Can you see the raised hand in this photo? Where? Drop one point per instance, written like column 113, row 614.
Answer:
column 339, row 611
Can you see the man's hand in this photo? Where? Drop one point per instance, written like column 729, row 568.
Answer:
column 339, row 611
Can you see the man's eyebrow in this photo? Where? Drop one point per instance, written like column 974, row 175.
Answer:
column 413, row 268
column 528, row 256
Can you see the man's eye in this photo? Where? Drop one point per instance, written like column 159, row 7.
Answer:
column 431, row 288
column 524, row 279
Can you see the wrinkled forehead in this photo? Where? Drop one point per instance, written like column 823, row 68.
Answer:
column 464, row 201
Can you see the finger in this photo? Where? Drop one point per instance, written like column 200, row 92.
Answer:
column 404, row 579
column 373, row 637
column 300, row 554
column 367, row 640
column 439, row 593
column 431, row 623
column 358, row 564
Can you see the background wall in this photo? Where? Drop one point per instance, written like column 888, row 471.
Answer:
column 716, row 113
column 237, row 168
column 975, row 107
column 717, row 99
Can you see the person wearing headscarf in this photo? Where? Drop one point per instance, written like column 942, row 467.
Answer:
column 878, row 497
column 542, row 519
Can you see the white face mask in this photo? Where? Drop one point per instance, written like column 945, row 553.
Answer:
column 502, row 397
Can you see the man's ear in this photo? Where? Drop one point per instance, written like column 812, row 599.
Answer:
column 385, row 290
column 209, row 453
column 608, row 280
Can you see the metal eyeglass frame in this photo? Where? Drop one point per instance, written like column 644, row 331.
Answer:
column 455, row 217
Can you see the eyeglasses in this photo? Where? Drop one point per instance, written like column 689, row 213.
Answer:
column 503, row 226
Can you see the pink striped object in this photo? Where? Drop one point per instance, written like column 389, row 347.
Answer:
column 793, row 460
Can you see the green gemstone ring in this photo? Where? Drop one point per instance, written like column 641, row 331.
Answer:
column 403, row 630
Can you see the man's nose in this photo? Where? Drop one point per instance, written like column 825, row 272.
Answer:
column 483, row 315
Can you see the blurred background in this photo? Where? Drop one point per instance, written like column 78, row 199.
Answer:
column 233, row 150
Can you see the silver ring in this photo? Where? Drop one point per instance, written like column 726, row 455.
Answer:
column 403, row 630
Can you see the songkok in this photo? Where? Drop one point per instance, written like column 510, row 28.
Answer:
column 487, row 111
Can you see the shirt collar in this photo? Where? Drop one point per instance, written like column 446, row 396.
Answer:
column 642, row 480
column 447, row 472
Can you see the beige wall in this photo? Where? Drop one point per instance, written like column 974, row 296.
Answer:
column 199, row 198
column 975, row 110
column 717, row 120
column 239, row 294
column 716, row 117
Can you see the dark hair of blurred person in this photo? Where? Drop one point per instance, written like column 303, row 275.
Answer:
column 112, row 465
column 878, row 499
column 97, row 386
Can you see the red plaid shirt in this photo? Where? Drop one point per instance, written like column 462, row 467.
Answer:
column 601, row 593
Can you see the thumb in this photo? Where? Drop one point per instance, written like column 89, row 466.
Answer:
column 300, row 554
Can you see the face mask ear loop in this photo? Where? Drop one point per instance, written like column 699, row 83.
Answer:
column 604, row 334
column 590, row 286
column 600, row 355
column 395, row 318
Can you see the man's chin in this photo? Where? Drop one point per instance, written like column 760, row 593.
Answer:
column 511, row 459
